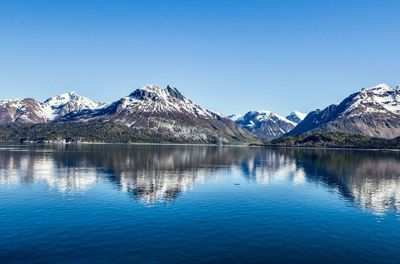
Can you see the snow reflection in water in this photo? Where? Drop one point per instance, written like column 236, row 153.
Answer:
column 152, row 174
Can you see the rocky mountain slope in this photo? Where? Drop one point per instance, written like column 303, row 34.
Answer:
column 373, row 112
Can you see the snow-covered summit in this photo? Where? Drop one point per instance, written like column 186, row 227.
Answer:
column 296, row 116
column 378, row 89
column 65, row 98
column 377, row 99
column 154, row 92
column 265, row 115
column 264, row 123
column 65, row 103
column 152, row 98
column 29, row 110
column 26, row 110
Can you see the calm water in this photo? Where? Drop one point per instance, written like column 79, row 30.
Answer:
column 197, row 204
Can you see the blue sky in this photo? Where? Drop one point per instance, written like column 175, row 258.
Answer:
column 229, row 56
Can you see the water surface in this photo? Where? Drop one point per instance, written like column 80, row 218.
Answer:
column 197, row 204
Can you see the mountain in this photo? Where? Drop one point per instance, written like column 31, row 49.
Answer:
column 165, row 112
column 67, row 103
column 296, row 117
column 27, row 110
column 144, row 105
column 31, row 111
column 373, row 112
column 264, row 124
column 148, row 114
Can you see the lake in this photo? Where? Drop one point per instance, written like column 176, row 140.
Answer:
column 197, row 204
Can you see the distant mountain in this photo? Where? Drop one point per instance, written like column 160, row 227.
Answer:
column 373, row 112
column 296, row 117
column 67, row 103
column 264, row 124
column 235, row 117
column 149, row 114
column 27, row 110
column 31, row 111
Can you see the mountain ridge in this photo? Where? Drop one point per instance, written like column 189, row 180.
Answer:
column 29, row 110
column 167, row 113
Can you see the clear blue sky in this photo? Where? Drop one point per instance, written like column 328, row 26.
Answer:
column 229, row 56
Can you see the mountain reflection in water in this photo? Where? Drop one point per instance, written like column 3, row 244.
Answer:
column 160, row 173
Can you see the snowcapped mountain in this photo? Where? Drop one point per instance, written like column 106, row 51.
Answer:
column 296, row 117
column 373, row 111
column 29, row 110
column 66, row 103
column 264, row 124
column 165, row 113
column 148, row 101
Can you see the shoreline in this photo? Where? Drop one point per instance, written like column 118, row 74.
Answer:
column 329, row 148
column 251, row 145
column 123, row 144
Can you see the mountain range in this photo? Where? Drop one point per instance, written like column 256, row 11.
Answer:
column 266, row 124
column 162, row 115
column 153, row 114
column 31, row 111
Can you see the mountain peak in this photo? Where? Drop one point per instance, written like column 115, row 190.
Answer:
column 65, row 103
column 296, row 116
column 174, row 92
column 148, row 91
column 378, row 89
column 155, row 93
column 264, row 123
column 151, row 88
column 63, row 98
